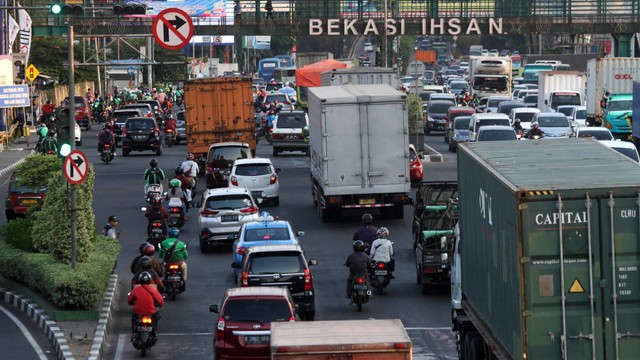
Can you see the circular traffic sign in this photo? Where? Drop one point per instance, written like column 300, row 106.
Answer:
column 172, row 28
column 131, row 70
column 75, row 167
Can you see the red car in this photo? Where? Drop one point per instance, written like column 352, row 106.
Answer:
column 243, row 329
column 19, row 199
column 416, row 170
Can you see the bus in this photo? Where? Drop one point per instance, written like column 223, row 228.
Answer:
column 266, row 67
column 285, row 60
column 531, row 71
column 285, row 74
column 516, row 65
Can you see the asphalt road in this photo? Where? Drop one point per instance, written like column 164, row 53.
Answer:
column 21, row 338
column 186, row 326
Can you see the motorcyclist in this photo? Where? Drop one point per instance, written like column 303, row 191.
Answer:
column 190, row 169
column 105, row 136
column 474, row 101
column 358, row 263
column 178, row 253
column 534, row 131
column 367, row 232
column 146, row 299
column 146, row 264
column 175, row 197
column 382, row 250
column 42, row 133
column 49, row 143
column 156, row 213
column 271, row 117
column 147, row 249
column 153, row 175
column 184, row 184
column 170, row 124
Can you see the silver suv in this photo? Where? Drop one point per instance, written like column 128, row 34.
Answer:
column 287, row 132
column 221, row 212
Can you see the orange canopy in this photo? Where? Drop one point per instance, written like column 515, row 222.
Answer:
column 310, row 75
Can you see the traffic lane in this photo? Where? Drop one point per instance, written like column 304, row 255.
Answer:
column 21, row 337
column 447, row 170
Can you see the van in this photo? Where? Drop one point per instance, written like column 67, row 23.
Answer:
column 479, row 120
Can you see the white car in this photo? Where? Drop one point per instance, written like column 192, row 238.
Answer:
column 258, row 176
column 78, row 135
column 496, row 133
column 520, row 118
column 595, row 132
column 625, row 148
column 566, row 110
column 368, row 47
column 579, row 115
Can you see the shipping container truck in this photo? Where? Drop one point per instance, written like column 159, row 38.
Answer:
column 556, row 88
column 359, row 142
column 218, row 110
column 490, row 75
column 342, row 339
column 546, row 262
column 615, row 77
column 361, row 76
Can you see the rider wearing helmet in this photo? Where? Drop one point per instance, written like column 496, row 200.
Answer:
column 366, row 232
column 134, row 264
column 105, row 136
column 145, row 298
column 156, row 213
column 178, row 253
column 190, row 168
column 184, row 184
column 176, row 197
column 534, row 131
column 358, row 263
column 147, row 249
column 153, row 175
column 146, row 264
column 382, row 250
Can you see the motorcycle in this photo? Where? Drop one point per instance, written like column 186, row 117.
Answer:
column 106, row 155
column 380, row 276
column 361, row 292
column 156, row 234
column 144, row 334
column 176, row 217
column 173, row 280
column 265, row 132
column 169, row 137
column 152, row 192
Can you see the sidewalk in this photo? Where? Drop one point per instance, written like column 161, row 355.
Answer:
column 15, row 152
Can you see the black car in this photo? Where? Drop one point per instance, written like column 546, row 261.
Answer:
column 119, row 117
column 281, row 265
column 139, row 134
column 436, row 114
column 220, row 160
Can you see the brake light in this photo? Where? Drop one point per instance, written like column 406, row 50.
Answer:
column 150, row 115
column 278, row 136
column 147, row 320
column 174, row 267
column 273, row 179
column 155, row 131
column 244, row 278
column 220, row 329
column 124, row 131
column 380, row 265
column 208, row 212
column 308, row 286
column 169, row 130
column 249, row 210
column 175, row 210
column 234, row 181
column 156, row 224
column 360, row 280
column 240, row 250
column 398, row 197
column 106, row 146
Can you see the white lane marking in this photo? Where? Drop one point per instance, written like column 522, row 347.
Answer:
column 120, row 347
column 427, row 328
column 26, row 333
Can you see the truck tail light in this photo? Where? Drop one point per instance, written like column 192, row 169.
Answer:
column 398, row 198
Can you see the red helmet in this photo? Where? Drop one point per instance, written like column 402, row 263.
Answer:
column 149, row 250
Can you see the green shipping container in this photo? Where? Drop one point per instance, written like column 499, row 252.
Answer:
column 550, row 248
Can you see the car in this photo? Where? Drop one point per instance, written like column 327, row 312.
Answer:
column 282, row 99
column 494, row 52
column 145, row 109
column 554, row 125
column 531, row 98
column 520, row 118
column 220, row 158
column 140, row 134
column 464, row 65
column 479, row 120
column 281, row 265
column 406, row 81
column 458, row 86
column 625, row 148
column 222, row 212
column 258, row 176
column 436, row 113
column 119, row 117
column 494, row 101
column 416, row 170
column 287, row 134
column 496, row 133
column 244, row 320
column 20, row 198
column 181, row 127
column 504, row 52
column 368, row 47
column 521, row 94
column 579, row 115
column 566, row 110
column 83, row 112
column 452, row 114
column 460, row 132
column 156, row 108
column 433, row 88
column 595, row 132
column 485, row 52
column 78, row 134
column 444, row 96
column 505, row 107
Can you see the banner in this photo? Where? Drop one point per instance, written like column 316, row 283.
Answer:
column 14, row 28
column 25, row 34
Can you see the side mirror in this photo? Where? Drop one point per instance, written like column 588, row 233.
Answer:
column 213, row 308
column 300, row 233
column 235, row 265
column 313, row 262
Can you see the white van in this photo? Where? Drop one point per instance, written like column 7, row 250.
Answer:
column 478, row 120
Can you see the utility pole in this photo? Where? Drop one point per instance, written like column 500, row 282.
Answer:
column 72, row 136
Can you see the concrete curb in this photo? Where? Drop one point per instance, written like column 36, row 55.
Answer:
column 11, row 167
column 105, row 318
column 50, row 328
column 431, row 155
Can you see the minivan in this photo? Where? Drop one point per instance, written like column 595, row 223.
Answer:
column 479, row 120
column 220, row 158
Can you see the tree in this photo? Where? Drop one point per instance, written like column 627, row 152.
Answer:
column 414, row 103
column 50, row 53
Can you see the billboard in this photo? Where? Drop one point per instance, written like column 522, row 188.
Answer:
column 212, row 9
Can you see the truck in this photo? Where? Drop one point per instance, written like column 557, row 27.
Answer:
column 490, row 75
column 530, row 72
column 218, row 110
column 475, row 50
column 348, row 126
column 560, row 88
column 435, row 216
column 361, row 76
column 304, row 59
column 609, row 93
column 416, row 68
column 340, row 339
column 546, row 262
column 635, row 127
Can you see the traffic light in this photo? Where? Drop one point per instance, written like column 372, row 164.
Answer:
column 130, row 9
column 63, row 141
column 64, row 9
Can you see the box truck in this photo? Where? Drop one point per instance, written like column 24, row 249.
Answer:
column 558, row 88
column 359, row 142
column 546, row 262
column 361, row 76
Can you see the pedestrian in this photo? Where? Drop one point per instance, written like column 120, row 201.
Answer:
column 19, row 121
column 110, row 229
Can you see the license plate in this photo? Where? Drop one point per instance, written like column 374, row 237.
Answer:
column 256, row 339
column 28, row 201
column 360, row 287
column 144, row 328
column 256, row 194
column 293, row 137
column 174, row 215
column 229, row 218
column 139, row 138
column 367, row 201
column 173, row 277
column 381, row 272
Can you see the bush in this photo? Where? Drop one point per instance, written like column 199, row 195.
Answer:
column 65, row 288
column 17, row 233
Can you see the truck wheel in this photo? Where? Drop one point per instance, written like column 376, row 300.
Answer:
column 398, row 211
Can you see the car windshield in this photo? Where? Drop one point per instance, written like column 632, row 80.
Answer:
column 122, row 117
column 531, row 98
column 458, row 86
column 291, row 121
column 79, row 102
column 495, row 135
column 228, row 202
column 267, row 233
column 565, row 110
column 525, row 117
column 598, row 135
column 425, row 95
column 253, row 169
column 252, row 309
column 280, row 263
column 628, row 152
column 455, row 115
column 153, row 103
column 439, row 108
column 581, row 114
column 566, row 99
column 23, row 189
column 620, row 105
column 141, row 124
column 228, row 153
column 281, row 98
column 506, row 108
column 554, row 121
column 461, row 123
column 494, row 102
column 485, row 122
column 144, row 109
column 274, row 87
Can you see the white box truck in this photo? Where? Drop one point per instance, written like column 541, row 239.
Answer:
column 361, row 76
column 359, row 145
column 556, row 88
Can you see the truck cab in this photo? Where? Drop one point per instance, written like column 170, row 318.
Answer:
column 615, row 113
column 559, row 98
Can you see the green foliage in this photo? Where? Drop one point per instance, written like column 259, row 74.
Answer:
column 406, row 44
column 17, row 233
column 49, row 53
column 58, row 283
column 38, row 169
column 414, row 104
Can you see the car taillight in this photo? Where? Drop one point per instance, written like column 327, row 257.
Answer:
column 244, row 278
column 308, row 286
column 174, row 267
column 273, row 179
column 124, row 131
column 147, row 320
column 249, row 210
column 278, row 136
column 220, row 328
column 208, row 212
column 155, row 131
column 234, row 181
column 240, row 250
column 150, row 115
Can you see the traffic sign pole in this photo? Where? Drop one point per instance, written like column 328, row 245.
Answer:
column 72, row 136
